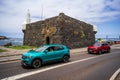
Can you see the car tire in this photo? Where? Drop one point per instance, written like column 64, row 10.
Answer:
column 36, row 63
column 89, row 53
column 66, row 58
column 108, row 51
column 23, row 66
column 99, row 52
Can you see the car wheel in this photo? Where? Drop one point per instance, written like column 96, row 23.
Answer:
column 99, row 52
column 36, row 63
column 66, row 58
column 89, row 53
column 108, row 50
column 23, row 66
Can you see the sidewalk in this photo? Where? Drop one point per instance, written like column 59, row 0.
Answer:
column 12, row 54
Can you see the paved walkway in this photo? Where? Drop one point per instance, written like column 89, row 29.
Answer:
column 10, row 51
column 13, row 52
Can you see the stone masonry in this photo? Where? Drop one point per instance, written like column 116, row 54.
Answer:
column 61, row 29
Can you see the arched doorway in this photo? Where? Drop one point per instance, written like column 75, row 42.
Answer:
column 47, row 40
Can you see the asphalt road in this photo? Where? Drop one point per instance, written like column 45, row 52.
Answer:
column 99, row 67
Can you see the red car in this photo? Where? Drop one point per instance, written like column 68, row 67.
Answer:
column 99, row 48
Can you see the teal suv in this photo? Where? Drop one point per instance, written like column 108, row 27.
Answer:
column 44, row 54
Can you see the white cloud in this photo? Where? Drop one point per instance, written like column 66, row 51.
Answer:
column 13, row 12
column 114, row 4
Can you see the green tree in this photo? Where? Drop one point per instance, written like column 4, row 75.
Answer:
column 99, row 39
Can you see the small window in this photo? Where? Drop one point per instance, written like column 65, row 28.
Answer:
column 58, row 48
column 50, row 49
column 103, row 44
column 106, row 44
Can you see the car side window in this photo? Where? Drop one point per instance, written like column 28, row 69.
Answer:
column 56, row 48
column 50, row 49
column 106, row 44
column 102, row 44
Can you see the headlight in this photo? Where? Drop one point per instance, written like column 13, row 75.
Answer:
column 29, row 56
column 24, row 57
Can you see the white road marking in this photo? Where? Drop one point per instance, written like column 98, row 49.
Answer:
column 46, row 69
column 115, row 74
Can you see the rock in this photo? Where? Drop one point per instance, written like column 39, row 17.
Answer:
column 3, row 37
column 8, row 44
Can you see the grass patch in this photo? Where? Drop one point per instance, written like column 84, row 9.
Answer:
column 1, row 50
column 21, row 47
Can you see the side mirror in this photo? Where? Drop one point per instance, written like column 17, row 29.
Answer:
column 46, row 51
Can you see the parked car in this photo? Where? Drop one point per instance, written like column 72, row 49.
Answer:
column 99, row 48
column 44, row 54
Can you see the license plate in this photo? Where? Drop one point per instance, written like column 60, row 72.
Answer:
column 90, row 50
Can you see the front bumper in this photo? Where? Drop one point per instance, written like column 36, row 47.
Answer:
column 93, row 51
column 25, row 62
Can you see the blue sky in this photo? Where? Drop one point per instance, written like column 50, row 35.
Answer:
column 109, row 28
column 105, row 14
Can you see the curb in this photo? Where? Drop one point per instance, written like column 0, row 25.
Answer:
column 72, row 51
column 12, row 59
column 77, row 52
column 114, row 76
column 10, row 55
column 9, row 60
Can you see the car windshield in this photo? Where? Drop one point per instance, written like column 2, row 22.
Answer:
column 97, row 44
column 41, row 48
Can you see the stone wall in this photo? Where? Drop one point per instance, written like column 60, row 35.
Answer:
column 76, row 33
column 32, row 34
column 61, row 29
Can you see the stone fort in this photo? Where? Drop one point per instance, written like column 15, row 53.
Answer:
column 60, row 29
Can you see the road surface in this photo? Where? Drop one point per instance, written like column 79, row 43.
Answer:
column 81, row 67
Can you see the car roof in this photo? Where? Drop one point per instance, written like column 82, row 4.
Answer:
column 101, row 42
column 54, row 45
